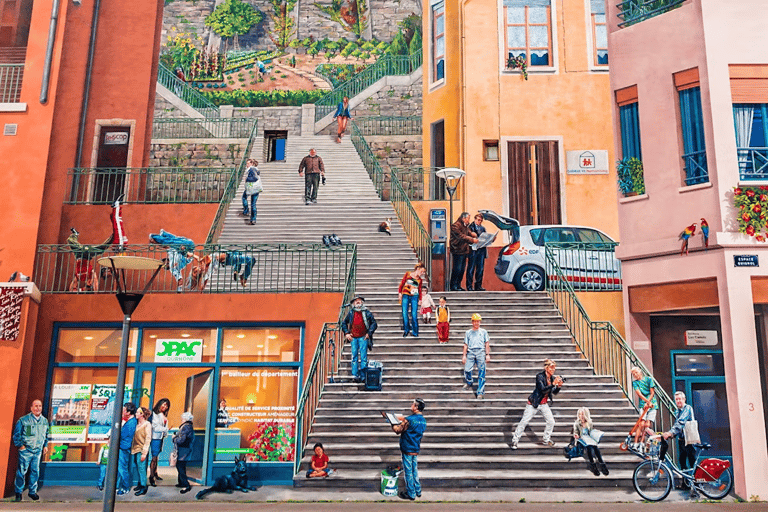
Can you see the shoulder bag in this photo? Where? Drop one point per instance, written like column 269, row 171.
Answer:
column 253, row 187
column 691, row 432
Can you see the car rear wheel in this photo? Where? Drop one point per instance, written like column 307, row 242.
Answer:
column 529, row 278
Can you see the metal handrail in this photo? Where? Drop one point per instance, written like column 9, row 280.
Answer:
column 370, row 162
column 229, row 192
column 603, row 346
column 588, row 266
column 194, row 99
column 753, row 163
column 325, row 364
column 388, row 65
column 147, row 185
column 420, row 240
column 635, row 11
column 11, row 77
column 389, row 125
column 261, row 268
column 422, row 183
column 206, row 128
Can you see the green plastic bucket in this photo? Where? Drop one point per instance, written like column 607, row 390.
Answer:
column 389, row 483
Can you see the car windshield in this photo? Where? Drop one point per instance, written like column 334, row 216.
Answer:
column 590, row 235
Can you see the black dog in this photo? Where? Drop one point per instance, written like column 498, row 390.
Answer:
column 235, row 481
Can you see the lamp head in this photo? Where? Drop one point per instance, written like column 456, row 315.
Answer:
column 450, row 174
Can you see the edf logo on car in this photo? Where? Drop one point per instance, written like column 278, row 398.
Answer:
column 178, row 351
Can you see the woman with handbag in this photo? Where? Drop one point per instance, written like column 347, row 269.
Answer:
column 686, row 430
column 252, row 189
column 159, row 421
column 589, row 437
column 183, row 442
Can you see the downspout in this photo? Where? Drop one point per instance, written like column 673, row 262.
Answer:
column 86, row 96
column 463, row 102
column 49, row 53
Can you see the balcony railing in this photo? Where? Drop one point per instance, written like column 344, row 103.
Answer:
column 389, row 125
column 261, row 268
column 635, row 11
column 213, row 128
column 421, row 183
column 194, row 99
column 696, row 168
column 148, row 185
column 587, row 266
column 753, row 163
column 11, row 76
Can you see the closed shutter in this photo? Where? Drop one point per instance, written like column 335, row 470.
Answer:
column 548, row 186
column 520, row 204
column 749, row 83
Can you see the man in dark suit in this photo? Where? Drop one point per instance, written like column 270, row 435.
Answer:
column 461, row 237
column 476, row 262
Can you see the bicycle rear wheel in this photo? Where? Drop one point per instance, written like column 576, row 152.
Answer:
column 717, row 489
column 652, row 480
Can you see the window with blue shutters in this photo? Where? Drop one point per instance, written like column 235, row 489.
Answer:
column 692, row 128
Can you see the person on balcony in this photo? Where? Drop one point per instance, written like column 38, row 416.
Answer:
column 461, row 238
column 179, row 253
column 358, row 328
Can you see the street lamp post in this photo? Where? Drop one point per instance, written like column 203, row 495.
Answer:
column 128, row 304
column 452, row 177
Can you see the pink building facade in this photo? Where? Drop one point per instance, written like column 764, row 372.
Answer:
column 690, row 91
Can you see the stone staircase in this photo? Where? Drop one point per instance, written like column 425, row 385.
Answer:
column 467, row 443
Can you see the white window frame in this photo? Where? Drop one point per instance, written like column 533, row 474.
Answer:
column 433, row 83
column 591, row 43
column 532, row 70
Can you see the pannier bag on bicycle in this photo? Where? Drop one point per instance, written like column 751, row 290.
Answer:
column 710, row 470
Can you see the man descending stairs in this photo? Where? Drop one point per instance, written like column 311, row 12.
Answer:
column 468, row 443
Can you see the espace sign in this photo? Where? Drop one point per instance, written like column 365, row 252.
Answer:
column 178, row 351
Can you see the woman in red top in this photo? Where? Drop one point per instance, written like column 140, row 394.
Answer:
column 409, row 294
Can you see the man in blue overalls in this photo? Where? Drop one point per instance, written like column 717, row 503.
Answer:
column 30, row 436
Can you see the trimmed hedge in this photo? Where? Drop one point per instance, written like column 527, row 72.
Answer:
column 243, row 98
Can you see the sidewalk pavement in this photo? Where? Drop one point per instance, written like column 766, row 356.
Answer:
column 167, row 498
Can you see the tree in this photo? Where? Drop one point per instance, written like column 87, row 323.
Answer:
column 233, row 18
column 284, row 26
column 415, row 45
column 314, row 49
column 330, row 49
column 348, row 49
column 398, row 46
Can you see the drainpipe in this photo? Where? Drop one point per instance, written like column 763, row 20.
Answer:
column 86, row 93
column 49, row 53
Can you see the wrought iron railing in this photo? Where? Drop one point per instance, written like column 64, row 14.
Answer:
column 388, row 65
column 603, row 346
column 635, row 11
column 696, row 168
column 389, row 125
column 753, row 163
column 229, row 192
column 259, row 268
column 588, row 266
column 369, row 160
column 148, row 185
column 11, row 76
column 421, row 183
column 207, row 128
column 194, row 99
column 325, row 365
column 417, row 234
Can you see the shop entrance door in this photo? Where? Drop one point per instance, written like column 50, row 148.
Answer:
column 188, row 389
column 700, row 375
column 533, row 175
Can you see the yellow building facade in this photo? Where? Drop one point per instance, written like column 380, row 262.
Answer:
column 522, row 141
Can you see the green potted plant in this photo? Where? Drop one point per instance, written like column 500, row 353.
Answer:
column 629, row 173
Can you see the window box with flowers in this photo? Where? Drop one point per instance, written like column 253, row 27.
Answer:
column 629, row 172
column 752, row 203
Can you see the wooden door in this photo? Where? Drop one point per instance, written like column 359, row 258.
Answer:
column 533, row 178
column 111, row 162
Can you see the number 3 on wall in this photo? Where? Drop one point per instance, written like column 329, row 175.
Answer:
column 751, row 406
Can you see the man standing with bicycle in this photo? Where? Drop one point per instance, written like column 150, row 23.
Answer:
column 687, row 452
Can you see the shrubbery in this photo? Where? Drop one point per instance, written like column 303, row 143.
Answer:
column 243, row 98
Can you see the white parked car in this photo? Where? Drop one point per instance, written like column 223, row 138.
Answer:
column 589, row 264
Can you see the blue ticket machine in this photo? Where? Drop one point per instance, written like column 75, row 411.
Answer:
column 438, row 229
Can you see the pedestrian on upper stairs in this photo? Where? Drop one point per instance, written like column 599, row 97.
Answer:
column 249, row 194
column 589, row 437
column 411, row 430
column 476, row 257
column 409, row 293
column 342, row 116
column 312, row 168
column 477, row 352
column 547, row 385
column 443, row 317
column 461, row 238
column 30, row 436
column 358, row 328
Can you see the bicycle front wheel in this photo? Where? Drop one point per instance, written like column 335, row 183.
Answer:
column 717, row 489
column 652, row 480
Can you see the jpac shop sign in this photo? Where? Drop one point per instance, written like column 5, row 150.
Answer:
column 587, row 161
column 178, row 351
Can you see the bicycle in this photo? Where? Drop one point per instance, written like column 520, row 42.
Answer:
column 653, row 478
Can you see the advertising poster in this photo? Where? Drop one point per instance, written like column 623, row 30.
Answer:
column 102, row 400
column 263, row 401
column 70, row 408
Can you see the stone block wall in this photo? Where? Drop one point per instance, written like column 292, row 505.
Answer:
column 272, row 118
column 398, row 101
column 166, row 109
column 199, row 153
column 385, row 15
